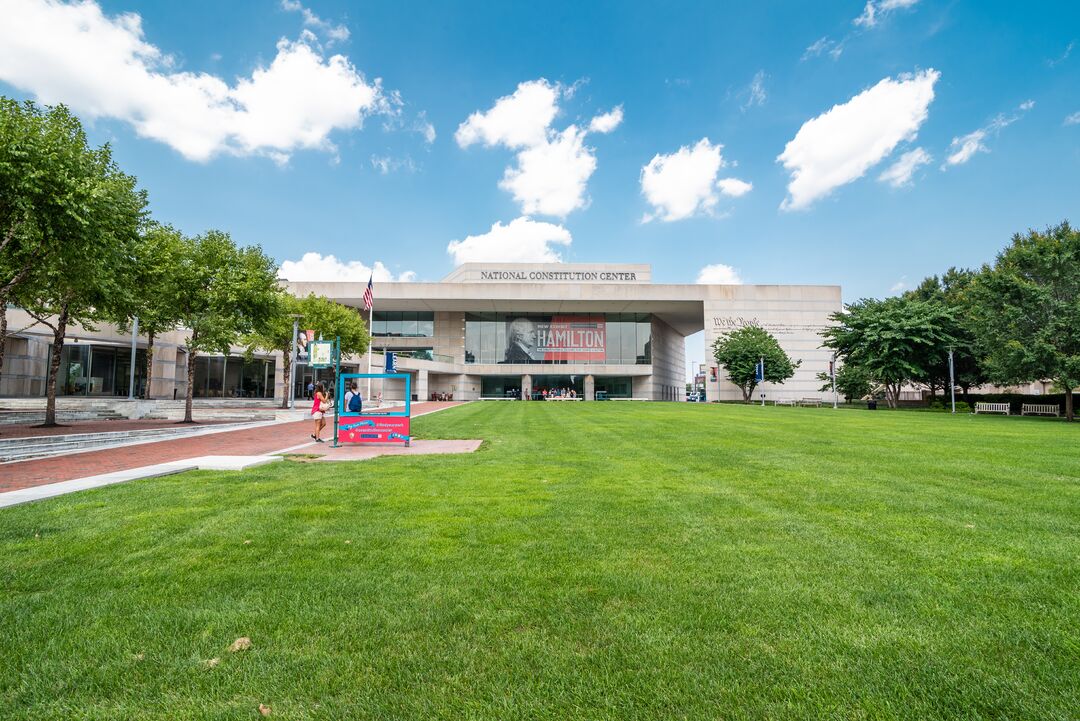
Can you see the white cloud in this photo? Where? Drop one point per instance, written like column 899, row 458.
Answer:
column 318, row 267
column 387, row 164
column 523, row 240
column 102, row 66
column 551, row 177
column 734, row 187
column 606, row 122
column 899, row 286
column 822, row 45
column 684, row 183
column 756, row 92
column 841, row 144
column 1073, row 119
column 516, row 121
column 964, row 147
column 900, row 173
column 333, row 33
column 553, row 167
column 875, row 10
column 1063, row 57
column 719, row 274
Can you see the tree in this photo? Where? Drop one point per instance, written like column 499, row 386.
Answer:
column 222, row 294
column 891, row 340
column 85, row 275
column 154, row 287
column 1027, row 311
column 49, row 186
column 319, row 313
column 852, row 381
column 739, row 352
column 951, row 289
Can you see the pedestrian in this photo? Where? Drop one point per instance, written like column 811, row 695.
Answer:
column 310, row 390
column 354, row 402
column 319, row 409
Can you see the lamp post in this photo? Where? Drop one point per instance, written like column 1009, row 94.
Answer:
column 832, row 372
column 291, row 390
column 131, row 373
column 952, row 382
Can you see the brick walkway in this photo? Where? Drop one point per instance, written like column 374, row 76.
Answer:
column 247, row 442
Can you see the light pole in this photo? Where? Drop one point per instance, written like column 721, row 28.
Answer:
column 952, row 382
column 832, row 372
column 131, row 373
column 292, row 362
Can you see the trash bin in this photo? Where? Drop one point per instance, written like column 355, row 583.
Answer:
column 871, row 405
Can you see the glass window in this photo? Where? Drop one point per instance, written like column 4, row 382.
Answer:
column 378, row 324
column 472, row 339
column 408, row 324
column 74, row 361
column 643, row 352
column 425, row 325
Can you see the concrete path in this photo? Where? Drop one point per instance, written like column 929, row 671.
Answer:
column 356, row 452
column 265, row 440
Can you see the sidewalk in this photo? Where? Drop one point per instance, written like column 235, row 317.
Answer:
column 245, row 442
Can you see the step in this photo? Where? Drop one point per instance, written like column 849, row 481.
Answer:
column 20, row 449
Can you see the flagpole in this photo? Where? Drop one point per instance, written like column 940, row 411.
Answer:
column 371, row 343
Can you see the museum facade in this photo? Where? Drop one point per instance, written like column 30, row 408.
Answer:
column 508, row 330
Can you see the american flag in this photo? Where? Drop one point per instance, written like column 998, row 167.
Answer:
column 369, row 299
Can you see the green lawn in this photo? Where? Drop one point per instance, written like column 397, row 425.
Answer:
column 591, row 561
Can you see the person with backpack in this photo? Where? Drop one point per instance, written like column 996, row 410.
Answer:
column 354, row 403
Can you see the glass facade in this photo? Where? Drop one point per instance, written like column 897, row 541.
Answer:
column 500, row 387
column 548, row 339
column 233, row 377
column 99, row 370
column 616, row 386
column 403, row 324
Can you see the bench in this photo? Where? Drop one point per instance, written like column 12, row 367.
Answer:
column 784, row 402
column 992, row 408
column 1040, row 409
column 816, row 402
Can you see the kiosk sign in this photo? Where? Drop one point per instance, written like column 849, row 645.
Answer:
column 321, row 353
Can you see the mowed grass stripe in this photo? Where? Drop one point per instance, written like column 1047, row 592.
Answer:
column 602, row 561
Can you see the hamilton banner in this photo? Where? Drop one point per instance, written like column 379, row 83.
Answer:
column 563, row 338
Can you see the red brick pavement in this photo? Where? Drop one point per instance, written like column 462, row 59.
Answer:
column 245, row 442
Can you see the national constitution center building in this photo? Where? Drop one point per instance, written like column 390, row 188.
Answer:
column 508, row 330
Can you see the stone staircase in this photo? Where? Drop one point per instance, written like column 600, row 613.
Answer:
column 20, row 449
column 32, row 410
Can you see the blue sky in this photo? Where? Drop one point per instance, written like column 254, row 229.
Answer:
column 264, row 119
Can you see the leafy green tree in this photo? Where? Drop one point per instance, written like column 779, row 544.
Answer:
column 891, row 339
column 82, row 279
column 852, row 381
column 1027, row 311
column 319, row 313
column 50, row 196
column 223, row 293
column 739, row 352
column 951, row 289
column 154, row 273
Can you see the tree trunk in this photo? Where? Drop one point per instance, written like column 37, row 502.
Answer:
column 190, row 383
column 286, row 373
column 892, row 395
column 1068, row 402
column 3, row 332
column 747, row 392
column 59, row 333
column 149, row 364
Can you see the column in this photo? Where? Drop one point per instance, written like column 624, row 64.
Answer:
column 590, row 388
column 526, row 387
column 420, row 390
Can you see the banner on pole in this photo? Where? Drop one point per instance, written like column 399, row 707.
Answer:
column 321, row 353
